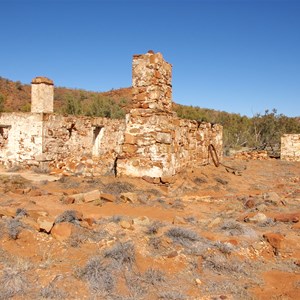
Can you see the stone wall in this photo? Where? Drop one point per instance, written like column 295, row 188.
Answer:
column 157, row 143
column 160, row 144
column 290, row 147
column 77, row 143
column 20, row 138
column 152, row 141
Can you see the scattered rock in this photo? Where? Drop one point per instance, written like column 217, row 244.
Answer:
column 272, row 197
column 214, row 222
column 296, row 226
column 126, row 225
column 8, row 212
column 68, row 200
column 62, row 231
column 287, row 217
column 167, row 179
column 275, row 240
column 91, row 196
column 261, row 207
column 250, row 203
column 108, row 197
column 35, row 193
column 172, row 254
column 35, row 214
column 149, row 179
column 178, row 220
column 129, row 197
column 31, row 223
column 45, row 223
column 141, row 221
column 258, row 218
column 78, row 197
column 90, row 221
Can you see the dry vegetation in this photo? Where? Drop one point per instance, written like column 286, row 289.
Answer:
column 195, row 239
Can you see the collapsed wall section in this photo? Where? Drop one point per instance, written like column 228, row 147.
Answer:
column 290, row 147
column 78, row 144
column 20, row 138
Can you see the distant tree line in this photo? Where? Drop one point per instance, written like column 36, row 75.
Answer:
column 94, row 106
column 262, row 131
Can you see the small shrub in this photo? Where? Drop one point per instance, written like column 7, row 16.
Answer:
column 121, row 253
column 238, row 291
column 153, row 227
column 13, row 228
column 14, row 168
column 52, row 292
column 12, row 283
column 77, row 238
column 117, row 188
column 155, row 242
column 171, row 295
column 135, row 286
column 225, row 248
column 218, row 263
column 199, row 180
column 221, row 180
column 178, row 204
column 21, row 212
column 42, row 169
column 98, row 275
column 154, row 276
column 70, row 216
column 115, row 219
column 182, row 236
column 235, row 228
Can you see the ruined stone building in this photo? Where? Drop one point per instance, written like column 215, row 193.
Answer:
column 290, row 147
column 150, row 141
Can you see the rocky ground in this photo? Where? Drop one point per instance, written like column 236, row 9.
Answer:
column 211, row 233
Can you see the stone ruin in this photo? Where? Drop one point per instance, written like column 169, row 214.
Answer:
column 152, row 141
column 290, row 147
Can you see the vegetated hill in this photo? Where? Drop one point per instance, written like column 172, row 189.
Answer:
column 17, row 97
column 261, row 131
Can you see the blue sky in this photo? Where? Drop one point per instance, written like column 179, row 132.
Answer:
column 237, row 56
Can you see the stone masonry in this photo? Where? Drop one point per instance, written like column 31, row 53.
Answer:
column 151, row 141
column 157, row 143
column 290, row 147
column 42, row 91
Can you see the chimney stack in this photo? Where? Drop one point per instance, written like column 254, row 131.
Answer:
column 42, row 91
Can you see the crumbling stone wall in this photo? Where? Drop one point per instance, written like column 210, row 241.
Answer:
column 290, row 147
column 78, row 143
column 157, row 143
column 20, row 138
column 151, row 141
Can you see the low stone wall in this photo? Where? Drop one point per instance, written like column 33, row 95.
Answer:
column 20, row 138
column 290, row 147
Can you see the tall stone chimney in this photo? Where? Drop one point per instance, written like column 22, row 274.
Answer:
column 151, row 82
column 42, row 91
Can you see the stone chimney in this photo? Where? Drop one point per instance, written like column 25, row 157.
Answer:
column 42, row 91
column 151, row 82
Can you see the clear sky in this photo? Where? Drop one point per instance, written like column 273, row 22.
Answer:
column 237, row 56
